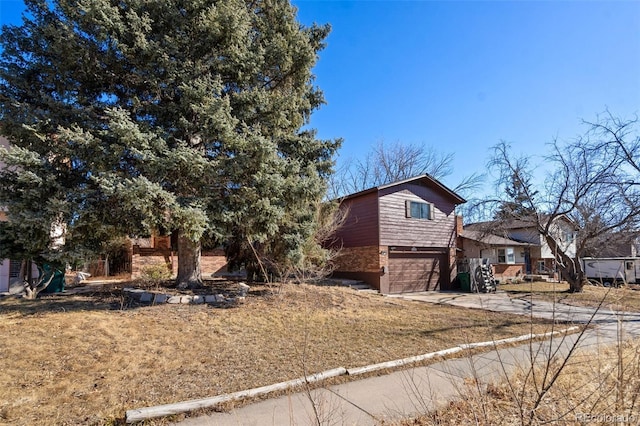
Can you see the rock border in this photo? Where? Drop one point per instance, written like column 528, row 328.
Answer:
column 153, row 298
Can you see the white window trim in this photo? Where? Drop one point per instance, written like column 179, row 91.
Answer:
column 509, row 255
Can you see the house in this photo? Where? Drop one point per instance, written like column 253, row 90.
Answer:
column 161, row 250
column 11, row 269
column 508, row 257
column 7, row 268
column 614, row 244
column 515, row 247
column 400, row 237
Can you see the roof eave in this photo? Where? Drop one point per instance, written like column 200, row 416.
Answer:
column 458, row 199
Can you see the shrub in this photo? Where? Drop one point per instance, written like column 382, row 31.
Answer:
column 156, row 273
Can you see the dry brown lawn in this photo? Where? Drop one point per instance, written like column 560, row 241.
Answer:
column 87, row 358
column 594, row 387
column 626, row 298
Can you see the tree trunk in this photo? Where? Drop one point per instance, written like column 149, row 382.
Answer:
column 106, row 265
column 571, row 269
column 189, row 274
column 574, row 276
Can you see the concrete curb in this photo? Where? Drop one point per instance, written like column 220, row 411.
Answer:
column 141, row 414
column 182, row 407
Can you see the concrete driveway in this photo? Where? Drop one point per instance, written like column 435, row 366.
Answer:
column 501, row 302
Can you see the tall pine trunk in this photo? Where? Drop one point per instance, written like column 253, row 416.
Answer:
column 189, row 273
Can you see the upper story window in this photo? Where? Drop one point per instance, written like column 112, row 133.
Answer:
column 569, row 236
column 419, row 210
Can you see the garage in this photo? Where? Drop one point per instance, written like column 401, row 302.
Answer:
column 416, row 271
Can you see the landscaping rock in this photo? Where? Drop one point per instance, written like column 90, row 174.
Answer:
column 146, row 297
column 244, row 289
column 219, row 299
column 160, row 298
column 174, row 299
column 17, row 288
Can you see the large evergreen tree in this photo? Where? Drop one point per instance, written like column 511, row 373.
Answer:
column 520, row 198
column 170, row 115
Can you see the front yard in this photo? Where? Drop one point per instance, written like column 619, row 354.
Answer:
column 87, row 358
column 626, row 298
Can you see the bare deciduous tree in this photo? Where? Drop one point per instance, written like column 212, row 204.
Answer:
column 391, row 162
column 594, row 180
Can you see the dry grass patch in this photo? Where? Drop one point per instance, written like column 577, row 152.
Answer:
column 595, row 387
column 625, row 298
column 86, row 359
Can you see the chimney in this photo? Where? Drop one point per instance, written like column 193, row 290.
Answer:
column 459, row 225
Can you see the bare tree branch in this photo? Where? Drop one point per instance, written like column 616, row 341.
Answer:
column 593, row 180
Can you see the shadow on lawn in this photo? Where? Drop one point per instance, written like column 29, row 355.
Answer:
column 106, row 297
column 496, row 328
column 94, row 301
column 528, row 291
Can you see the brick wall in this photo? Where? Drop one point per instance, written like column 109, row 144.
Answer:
column 213, row 262
column 142, row 258
column 505, row 271
column 361, row 259
column 453, row 269
column 459, row 225
column 364, row 264
column 210, row 262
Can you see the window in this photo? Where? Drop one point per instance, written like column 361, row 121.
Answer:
column 14, row 268
column 506, row 255
column 419, row 210
column 569, row 236
column 541, row 267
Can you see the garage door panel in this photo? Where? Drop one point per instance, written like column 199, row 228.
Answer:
column 414, row 272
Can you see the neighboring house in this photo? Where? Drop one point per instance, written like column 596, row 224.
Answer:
column 615, row 244
column 516, row 248
column 508, row 257
column 10, row 269
column 400, row 237
column 160, row 250
column 7, row 268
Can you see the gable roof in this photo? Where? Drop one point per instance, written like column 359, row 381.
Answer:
column 425, row 180
column 491, row 239
column 516, row 223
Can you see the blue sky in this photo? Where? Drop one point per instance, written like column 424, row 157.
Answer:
column 462, row 76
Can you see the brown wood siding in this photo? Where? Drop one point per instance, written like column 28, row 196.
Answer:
column 361, row 227
column 398, row 230
column 411, row 272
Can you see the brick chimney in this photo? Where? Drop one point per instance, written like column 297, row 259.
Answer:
column 459, row 225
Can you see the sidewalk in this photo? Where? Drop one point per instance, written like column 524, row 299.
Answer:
column 417, row 390
column 501, row 302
